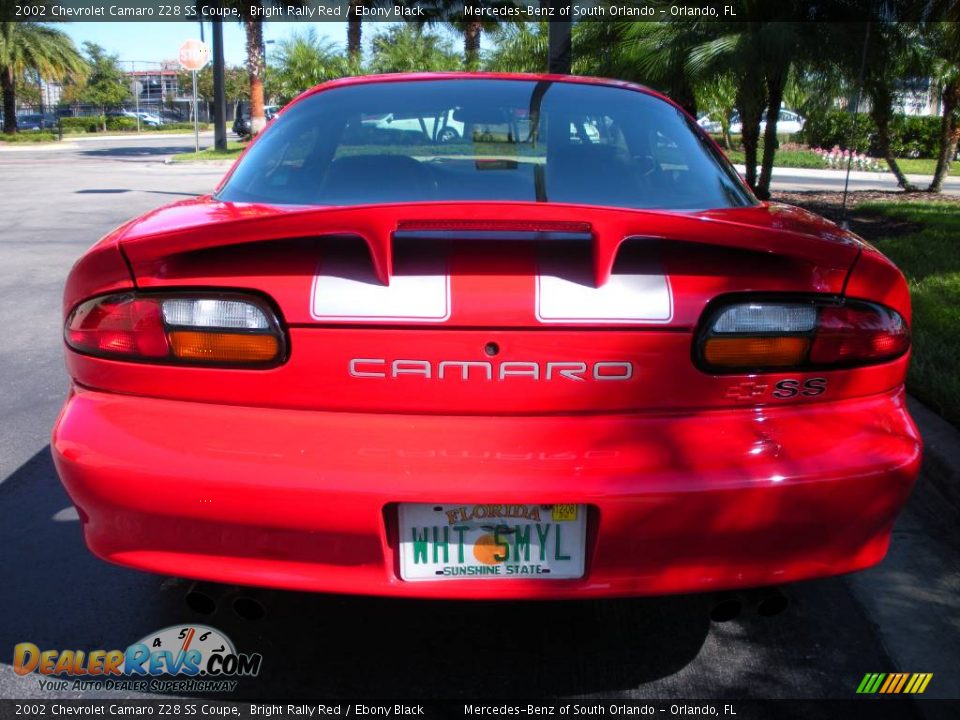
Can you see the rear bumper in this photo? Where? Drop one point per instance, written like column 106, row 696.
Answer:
column 307, row 500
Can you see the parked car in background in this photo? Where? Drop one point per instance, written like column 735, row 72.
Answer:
column 241, row 120
column 442, row 128
column 35, row 121
column 788, row 123
column 150, row 119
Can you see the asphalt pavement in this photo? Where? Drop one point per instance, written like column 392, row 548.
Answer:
column 903, row 615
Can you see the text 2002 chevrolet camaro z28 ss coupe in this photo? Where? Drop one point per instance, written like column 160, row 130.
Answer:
column 566, row 355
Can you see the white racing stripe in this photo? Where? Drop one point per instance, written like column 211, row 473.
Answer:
column 419, row 291
column 631, row 297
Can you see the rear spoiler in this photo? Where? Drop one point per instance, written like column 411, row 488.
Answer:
column 199, row 225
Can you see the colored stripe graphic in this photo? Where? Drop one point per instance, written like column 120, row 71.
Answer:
column 894, row 683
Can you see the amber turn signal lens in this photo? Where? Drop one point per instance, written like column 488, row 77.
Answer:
column 222, row 347
column 756, row 352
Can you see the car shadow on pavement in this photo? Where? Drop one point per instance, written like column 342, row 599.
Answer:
column 61, row 596
column 134, row 151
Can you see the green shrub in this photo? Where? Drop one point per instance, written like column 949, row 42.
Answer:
column 91, row 123
column 915, row 137
column 182, row 126
column 910, row 136
column 121, row 123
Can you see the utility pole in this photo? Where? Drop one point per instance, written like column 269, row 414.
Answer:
column 219, row 91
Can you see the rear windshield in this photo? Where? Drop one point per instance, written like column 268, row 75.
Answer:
column 479, row 139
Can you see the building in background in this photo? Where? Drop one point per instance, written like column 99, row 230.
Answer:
column 917, row 96
column 154, row 82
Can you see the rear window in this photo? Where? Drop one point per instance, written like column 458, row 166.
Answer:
column 479, row 139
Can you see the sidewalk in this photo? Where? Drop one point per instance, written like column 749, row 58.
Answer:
column 855, row 175
column 91, row 137
column 941, row 450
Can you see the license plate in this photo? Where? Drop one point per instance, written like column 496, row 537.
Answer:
column 491, row 542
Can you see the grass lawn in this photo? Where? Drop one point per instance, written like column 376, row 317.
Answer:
column 233, row 150
column 930, row 258
column 804, row 159
column 783, row 158
column 28, row 137
column 924, row 166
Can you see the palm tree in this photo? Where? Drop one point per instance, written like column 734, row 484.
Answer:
column 717, row 95
column 35, row 48
column 944, row 45
column 355, row 33
column 409, row 48
column 256, row 56
column 466, row 16
column 519, row 47
column 303, row 61
column 256, row 68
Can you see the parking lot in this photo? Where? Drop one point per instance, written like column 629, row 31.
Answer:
column 901, row 616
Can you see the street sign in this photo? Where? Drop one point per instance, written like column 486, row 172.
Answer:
column 194, row 54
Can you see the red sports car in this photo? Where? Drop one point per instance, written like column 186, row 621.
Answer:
column 565, row 353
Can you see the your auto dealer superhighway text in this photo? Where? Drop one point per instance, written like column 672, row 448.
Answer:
column 339, row 710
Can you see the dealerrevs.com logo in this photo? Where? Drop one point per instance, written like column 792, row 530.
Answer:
column 186, row 658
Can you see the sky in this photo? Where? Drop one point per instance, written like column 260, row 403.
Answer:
column 156, row 41
column 152, row 42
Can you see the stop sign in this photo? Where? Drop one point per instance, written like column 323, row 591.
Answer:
column 194, row 55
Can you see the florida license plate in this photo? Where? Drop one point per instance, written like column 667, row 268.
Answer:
column 530, row 542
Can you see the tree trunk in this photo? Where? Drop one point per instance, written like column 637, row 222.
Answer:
column 725, row 131
column 775, row 84
column 682, row 93
column 355, row 36
column 255, row 70
column 471, row 45
column 881, row 108
column 949, row 134
column 750, row 105
column 9, row 84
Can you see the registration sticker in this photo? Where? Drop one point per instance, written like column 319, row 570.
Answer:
column 564, row 513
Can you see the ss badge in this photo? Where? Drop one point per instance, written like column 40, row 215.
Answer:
column 807, row 388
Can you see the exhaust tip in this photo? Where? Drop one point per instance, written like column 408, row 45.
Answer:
column 200, row 602
column 248, row 608
column 772, row 604
column 726, row 610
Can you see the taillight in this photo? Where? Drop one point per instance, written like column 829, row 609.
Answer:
column 760, row 335
column 194, row 329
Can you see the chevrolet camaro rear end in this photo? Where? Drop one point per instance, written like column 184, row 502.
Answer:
column 564, row 353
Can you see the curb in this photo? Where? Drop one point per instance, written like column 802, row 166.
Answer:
column 941, row 450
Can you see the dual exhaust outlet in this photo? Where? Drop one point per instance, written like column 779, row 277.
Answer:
column 767, row 602
column 247, row 603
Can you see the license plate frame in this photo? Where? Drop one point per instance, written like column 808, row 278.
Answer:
column 484, row 541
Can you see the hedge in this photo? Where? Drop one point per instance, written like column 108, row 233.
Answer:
column 121, row 123
column 92, row 123
column 910, row 136
column 182, row 126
